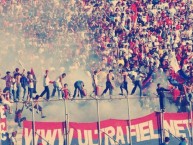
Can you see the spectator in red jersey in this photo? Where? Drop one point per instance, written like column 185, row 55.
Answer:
column 176, row 93
column 66, row 91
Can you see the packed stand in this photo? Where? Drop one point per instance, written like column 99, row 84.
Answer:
column 150, row 40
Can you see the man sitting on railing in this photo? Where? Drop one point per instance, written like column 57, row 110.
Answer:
column 37, row 106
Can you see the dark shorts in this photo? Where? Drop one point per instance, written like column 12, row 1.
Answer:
column 38, row 107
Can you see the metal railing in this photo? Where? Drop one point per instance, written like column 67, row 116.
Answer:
column 98, row 101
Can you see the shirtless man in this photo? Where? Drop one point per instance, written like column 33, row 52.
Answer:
column 124, row 83
column 109, row 83
column 17, row 76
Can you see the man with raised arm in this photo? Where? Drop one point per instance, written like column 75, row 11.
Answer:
column 7, row 79
column 17, row 76
column 160, row 91
column 18, row 115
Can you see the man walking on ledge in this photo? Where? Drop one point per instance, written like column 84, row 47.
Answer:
column 46, row 82
column 109, row 83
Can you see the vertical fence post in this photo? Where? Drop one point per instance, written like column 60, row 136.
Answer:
column 66, row 123
column 162, row 126
column 33, row 123
column 33, row 117
column 129, row 119
column 68, row 130
column 99, row 124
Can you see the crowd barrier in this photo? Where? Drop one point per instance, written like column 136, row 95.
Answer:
column 149, row 129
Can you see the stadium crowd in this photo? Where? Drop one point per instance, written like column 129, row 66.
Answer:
column 141, row 40
column 146, row 39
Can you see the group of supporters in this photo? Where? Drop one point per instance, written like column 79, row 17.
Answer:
column 21, row 87
column 146, row 41
column 151, row 40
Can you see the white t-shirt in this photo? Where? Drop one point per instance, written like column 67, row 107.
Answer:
column 172, row 11
column 46, row 81
column 13, row 85
column 153, row 38
column 58, row 83
column 138, row 77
